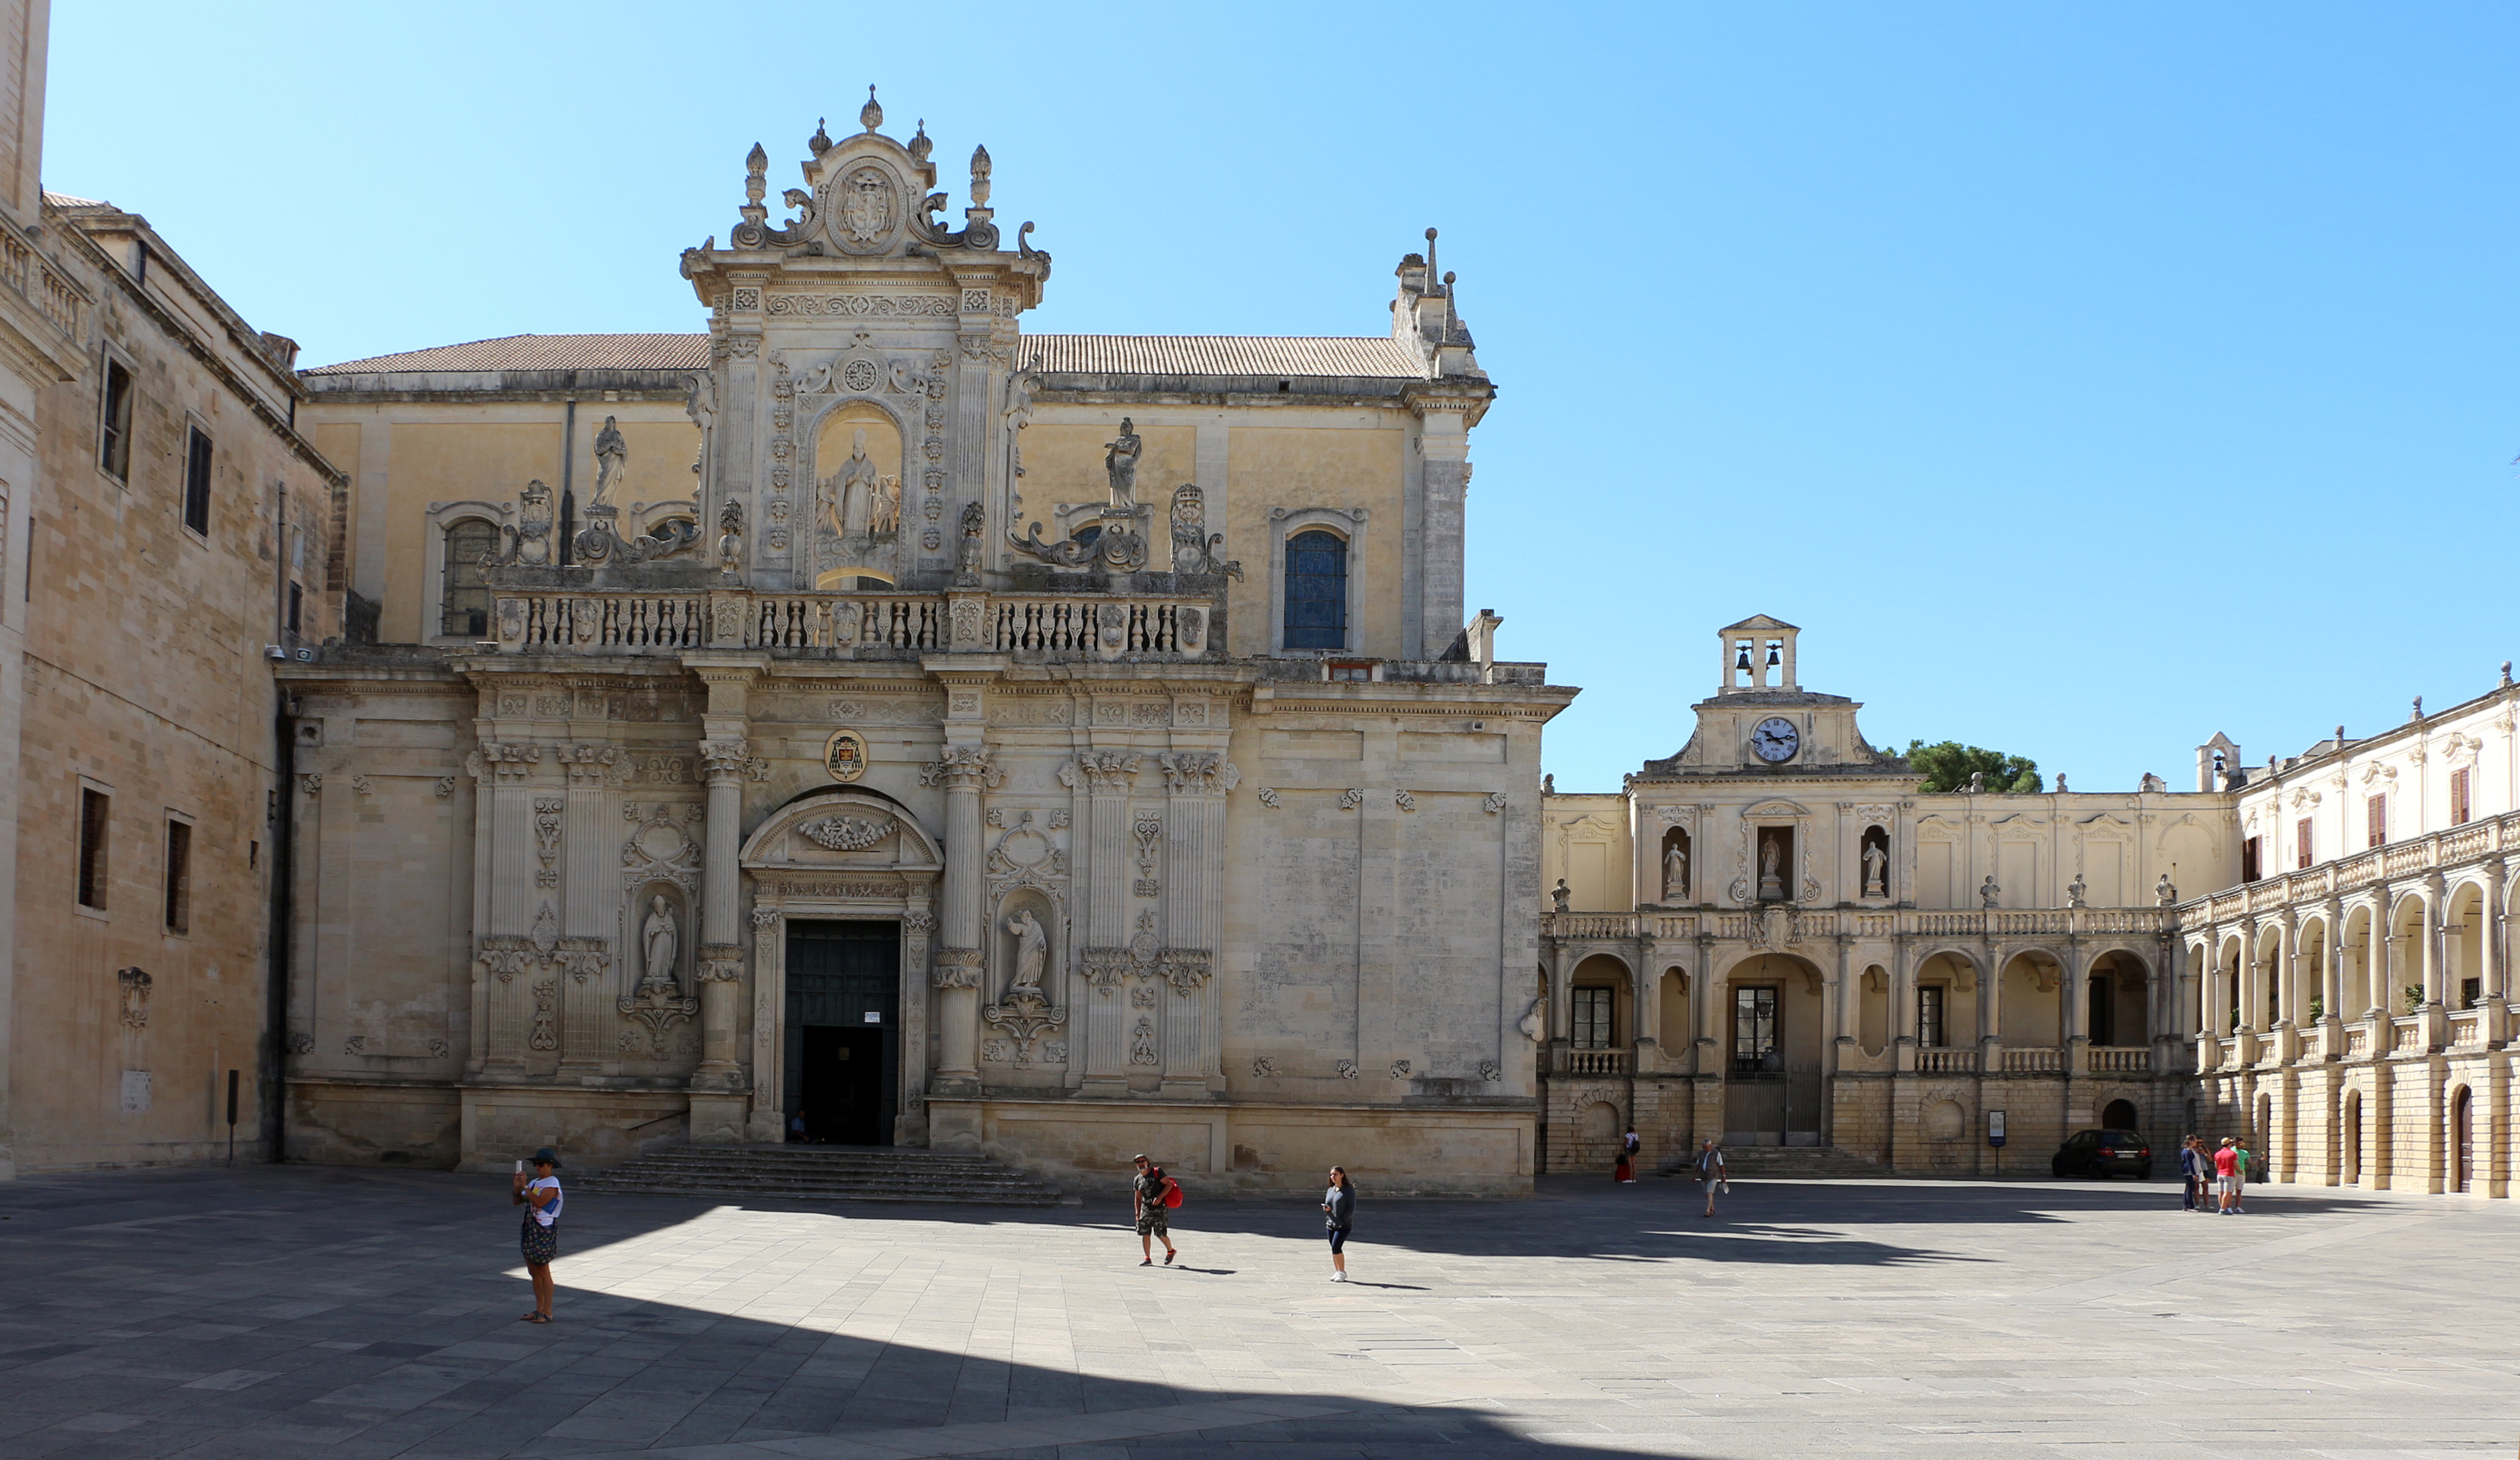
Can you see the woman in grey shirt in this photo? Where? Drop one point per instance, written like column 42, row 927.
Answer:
column 1338, row 1209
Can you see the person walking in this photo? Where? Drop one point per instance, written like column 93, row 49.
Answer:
column 1338, row 1211
column 2193, row 1172
column 1152, row 1193
column 1710, row 1171
column 2240, row 1188
column 541, row 1199
column 2227, row 1179
column 1625, row 1171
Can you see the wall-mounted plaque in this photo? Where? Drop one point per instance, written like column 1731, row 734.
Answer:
column 844, row 755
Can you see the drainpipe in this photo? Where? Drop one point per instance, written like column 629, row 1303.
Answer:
column 275, row 1034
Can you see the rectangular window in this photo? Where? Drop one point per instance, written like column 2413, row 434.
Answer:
column 196, row 481
column 296, row 606
column 2301, row 845
column 2375, row 819
column 2250, row 860
column 114, row 440
column 2458, row 809
column 94, row 811
column 1929, row 1016
column 1593, row 1018
column 179, row 877
column 1754, row 1028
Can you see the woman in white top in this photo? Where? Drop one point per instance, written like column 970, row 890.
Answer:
column 540, row 1198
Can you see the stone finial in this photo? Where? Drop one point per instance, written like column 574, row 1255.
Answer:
column 980, row 177
column 821, row 142
column 920, row 144
column 871, row 116
column 2507, row 672
column 756, row 173
column 2419, row 708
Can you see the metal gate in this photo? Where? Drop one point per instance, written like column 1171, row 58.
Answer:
column 1773, row 1102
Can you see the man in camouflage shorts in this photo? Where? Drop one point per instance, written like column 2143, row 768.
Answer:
column 1147, row 1192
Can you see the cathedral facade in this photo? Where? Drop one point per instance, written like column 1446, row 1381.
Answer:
column 868, row 722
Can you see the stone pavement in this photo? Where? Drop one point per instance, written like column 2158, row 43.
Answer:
column 276, row 1312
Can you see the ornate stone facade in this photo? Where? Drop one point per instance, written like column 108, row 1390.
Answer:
column 906, row 778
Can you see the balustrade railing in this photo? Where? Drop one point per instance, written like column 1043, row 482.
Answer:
column 1935, row 1060
column 2032, row 1061
column 2466, row 1027
column 2113, row 1059
column 1110, row 627
column 2459, row 844
column 2358, row 1041
column 2408, row 1035
column 31, row 278
column 1599, row 1060
column 1814, row 924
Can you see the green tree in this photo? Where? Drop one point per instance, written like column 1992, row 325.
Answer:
column 1948, row 765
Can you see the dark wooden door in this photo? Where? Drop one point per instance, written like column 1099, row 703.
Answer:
column 844, row 1045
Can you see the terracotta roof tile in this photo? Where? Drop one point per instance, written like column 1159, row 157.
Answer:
column 1223, row 354
column 540, row 352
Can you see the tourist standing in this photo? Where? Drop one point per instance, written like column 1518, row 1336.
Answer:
column 1152, row 1193
column 1625, row 1171
column 2244, row 1160
column 1710, row 1171
column 2227, row 1179
column 541, row 1199
column 2195, row 1171
column 1338, row 1209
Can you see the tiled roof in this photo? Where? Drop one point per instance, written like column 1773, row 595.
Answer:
column 540, row 352
column 1222, row 354
column 1074, row 354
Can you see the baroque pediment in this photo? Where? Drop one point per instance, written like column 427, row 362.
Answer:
column 841, row 830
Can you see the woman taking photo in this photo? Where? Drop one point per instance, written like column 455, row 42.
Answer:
column 1338, row 1209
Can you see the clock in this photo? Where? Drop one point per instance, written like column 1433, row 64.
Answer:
column 1775, row 740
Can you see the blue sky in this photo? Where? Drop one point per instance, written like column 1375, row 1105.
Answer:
column 2083, row 379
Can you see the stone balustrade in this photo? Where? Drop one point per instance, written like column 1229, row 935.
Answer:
column 2114, row 1060
column 2033, row 1059
column 880, row 624
column 38, row 283
column 1599, row 1061
column 2439, row 850
column 1936, row 1061
column 1860, row 922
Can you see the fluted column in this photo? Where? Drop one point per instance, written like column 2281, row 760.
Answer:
column 1109, row 955
column 725, row 760
column 1192, row 898
column 963, row 770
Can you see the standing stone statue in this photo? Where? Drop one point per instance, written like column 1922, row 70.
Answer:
column 2163, row 892
column 1032, row 951
column 1877, row 870
column 611, row 459
column 1560, row 895
column 2075, row 891
column 856, row 475
column 1121, row 459
column 659, row 936
column 1771, row 868
column 1987, row 890
column 1675, row 873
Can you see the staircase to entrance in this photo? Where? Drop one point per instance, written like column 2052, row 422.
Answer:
column 825, row 1173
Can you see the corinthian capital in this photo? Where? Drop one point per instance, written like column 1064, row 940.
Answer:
column 1199, row 771
column 726, row 760
column 1099, row 771
column 961, row 767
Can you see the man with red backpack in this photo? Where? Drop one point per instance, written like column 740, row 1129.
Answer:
column 1154, row 1195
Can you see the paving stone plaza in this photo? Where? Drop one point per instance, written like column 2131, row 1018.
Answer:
column 274, row 1312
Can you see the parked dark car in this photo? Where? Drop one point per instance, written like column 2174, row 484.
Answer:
column 2103, row 1153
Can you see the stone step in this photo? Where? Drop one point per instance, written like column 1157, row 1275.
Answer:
column 824, row 1173
column 1784, row 1162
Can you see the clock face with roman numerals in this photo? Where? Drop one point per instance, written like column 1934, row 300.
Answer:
column 1775, row 740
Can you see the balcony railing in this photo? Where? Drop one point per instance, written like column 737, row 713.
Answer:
column 1599, row 1060
column 1818, row 924
column 2117, row 1060
column 2032, row 1061
column 33, row 279
column 854, row 626
column 2459, row 844
column 1932, row 1061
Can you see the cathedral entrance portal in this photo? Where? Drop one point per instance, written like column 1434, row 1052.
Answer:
column 843, row 1029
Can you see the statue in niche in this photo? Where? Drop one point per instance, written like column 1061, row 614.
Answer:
column 659, row 937
column 1120, row 459
column 841, row 491
column 1032, row 951
column 1877, row 868
column 1675, row 873
column 883, row 507
column 611, row 459
column 1771, row 867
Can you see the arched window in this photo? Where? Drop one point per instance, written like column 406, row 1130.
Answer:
column 466, row 611
column 1316, row 590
